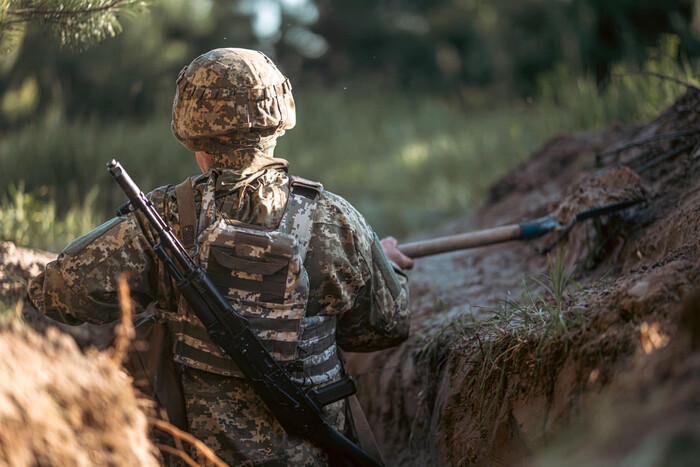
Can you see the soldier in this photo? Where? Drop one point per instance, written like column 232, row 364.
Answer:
column 230, row 107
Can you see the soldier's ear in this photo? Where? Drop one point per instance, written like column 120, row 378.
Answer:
column 204, row 160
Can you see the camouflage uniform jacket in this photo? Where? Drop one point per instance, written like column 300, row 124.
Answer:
column 349, row 275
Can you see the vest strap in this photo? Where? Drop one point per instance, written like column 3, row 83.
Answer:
column 186, row 213
column 298, row 217
column 364, row 432
column 210, row 361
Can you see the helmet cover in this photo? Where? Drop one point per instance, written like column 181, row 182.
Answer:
column 230, row 98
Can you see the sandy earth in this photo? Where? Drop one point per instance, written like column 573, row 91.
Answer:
column 613, row 377
column 59, row 406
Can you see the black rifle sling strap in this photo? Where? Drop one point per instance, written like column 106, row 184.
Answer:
column 186, row 214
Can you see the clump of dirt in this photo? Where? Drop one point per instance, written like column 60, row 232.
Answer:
column 59, row 406
column 498, row 363
column 593, row 190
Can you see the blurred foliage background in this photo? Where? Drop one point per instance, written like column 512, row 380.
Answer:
column 408, row 108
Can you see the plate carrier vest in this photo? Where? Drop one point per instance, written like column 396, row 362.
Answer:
column 262, row 274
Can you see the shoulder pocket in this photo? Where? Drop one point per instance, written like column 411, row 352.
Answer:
column 77, row 245
column 381, row 262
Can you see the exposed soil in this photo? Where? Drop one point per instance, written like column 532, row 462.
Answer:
column 492, row 373
column 59, row 406
column 476, row 384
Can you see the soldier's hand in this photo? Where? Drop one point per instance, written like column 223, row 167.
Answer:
column 390, row 246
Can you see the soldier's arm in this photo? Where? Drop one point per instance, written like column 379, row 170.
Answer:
column 379, row 317
column 352, row 278
column 81, row 284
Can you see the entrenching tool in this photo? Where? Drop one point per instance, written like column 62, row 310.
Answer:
column 506, row 233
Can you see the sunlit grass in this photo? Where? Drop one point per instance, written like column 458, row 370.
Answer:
column 550, row 309
column 27, row 220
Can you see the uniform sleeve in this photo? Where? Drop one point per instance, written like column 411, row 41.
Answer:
column 81, row 284
column 379, row 317
column 352, row 278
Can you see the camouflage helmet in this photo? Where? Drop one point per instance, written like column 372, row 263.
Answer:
column 227, row 98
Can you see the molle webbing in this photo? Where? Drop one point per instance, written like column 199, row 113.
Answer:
column 273, row 346
column 317, row 350
column 262, row 273
column 251, row 265
column 318, row 360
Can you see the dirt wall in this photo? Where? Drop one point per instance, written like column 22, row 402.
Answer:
column 59, row 406
column 477, row 383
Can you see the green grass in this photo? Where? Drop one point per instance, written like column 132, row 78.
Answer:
column 547, row 307
column 406, row 161
column 546, row 314
column 547, row 311
column 27, row 220
column 11, row 311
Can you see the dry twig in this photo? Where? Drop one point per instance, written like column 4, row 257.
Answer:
column 124, row 332
column 17, row 315
column 178, row 441
column 659, row 159
column 655, row 75
column 177, row 433
column 651, row 139
column 178, row 453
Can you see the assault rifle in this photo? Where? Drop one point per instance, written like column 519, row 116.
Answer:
column 297, row 410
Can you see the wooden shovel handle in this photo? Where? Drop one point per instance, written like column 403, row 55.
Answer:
column 462, row 241
column 523, row 231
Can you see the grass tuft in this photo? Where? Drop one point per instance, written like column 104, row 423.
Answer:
column 520, row 329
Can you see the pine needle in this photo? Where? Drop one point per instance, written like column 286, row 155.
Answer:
column 77, row 24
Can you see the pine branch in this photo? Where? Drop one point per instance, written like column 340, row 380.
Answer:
column 30, row 13
column 77, row 24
